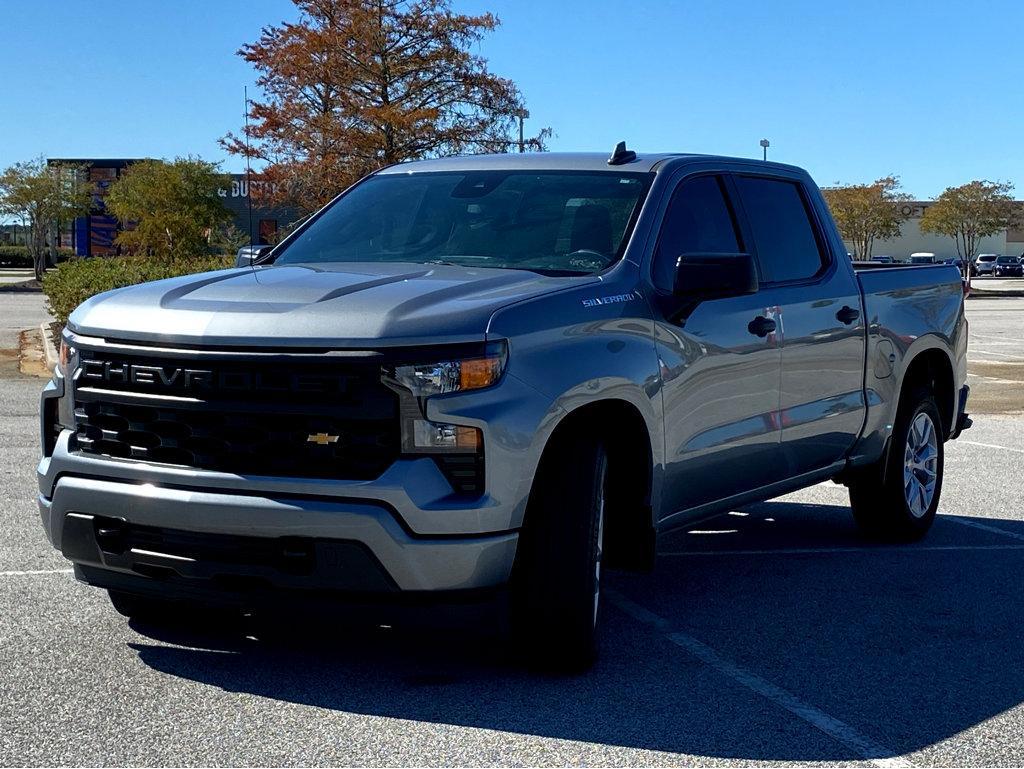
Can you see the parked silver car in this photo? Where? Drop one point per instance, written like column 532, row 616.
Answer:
column 986, row 263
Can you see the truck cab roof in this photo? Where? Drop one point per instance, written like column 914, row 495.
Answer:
column 568, row 161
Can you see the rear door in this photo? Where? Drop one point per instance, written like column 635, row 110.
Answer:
column 720, row 377
column 820, row 318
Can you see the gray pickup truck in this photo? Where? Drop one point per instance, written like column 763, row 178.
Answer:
column 482, row 376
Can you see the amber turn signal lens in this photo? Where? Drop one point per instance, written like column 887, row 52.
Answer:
column 479, row 372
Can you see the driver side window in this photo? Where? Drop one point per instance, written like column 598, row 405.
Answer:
column 698, row 221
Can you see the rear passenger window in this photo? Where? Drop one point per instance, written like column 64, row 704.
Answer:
column 787, row 248
column 698, row 221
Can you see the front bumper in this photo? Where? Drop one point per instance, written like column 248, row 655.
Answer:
column 415, row 536
column 356, row 546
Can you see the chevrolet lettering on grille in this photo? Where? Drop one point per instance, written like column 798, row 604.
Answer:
column 118, row 373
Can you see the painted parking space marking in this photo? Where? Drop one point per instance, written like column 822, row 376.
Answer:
column 990, row 446
column 880, row 549
column 986, row 527
column 983, row 351
column 34, row 572
column 864, row 746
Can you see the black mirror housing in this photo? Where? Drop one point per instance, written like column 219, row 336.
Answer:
column 715, row 276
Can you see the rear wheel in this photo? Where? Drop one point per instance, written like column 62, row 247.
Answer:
column 897, row 498
column 556, row 581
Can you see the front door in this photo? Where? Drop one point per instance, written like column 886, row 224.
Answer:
column 720, row 363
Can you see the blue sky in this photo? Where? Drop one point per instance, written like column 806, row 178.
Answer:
column 850, row 89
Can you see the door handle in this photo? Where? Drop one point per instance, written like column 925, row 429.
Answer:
column 761, row 326
column 847, row 315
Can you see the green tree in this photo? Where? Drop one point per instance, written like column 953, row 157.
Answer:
column 969, row 213
column 42, row 196
column 355, row 85
column 866, row 212
column 226, row 238
column 169, row 210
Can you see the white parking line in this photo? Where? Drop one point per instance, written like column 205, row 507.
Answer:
column 993, row 362
column 864, row 746
column 990, row 446
column 986, row 527
column 997, row 380
column 879, row 549
column 993, row 338
column 32, row 572
column 983, row 351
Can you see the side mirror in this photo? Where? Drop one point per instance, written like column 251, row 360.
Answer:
column 248, row 254
column 715, row 276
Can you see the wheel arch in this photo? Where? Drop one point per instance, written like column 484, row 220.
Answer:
column 932, row 368
column 629, row 505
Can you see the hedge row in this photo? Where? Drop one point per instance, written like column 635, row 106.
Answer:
column 75, row 281
column 18, row 256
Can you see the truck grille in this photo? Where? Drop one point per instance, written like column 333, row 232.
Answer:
column 285, row 417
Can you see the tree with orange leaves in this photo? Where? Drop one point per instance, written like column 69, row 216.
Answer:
column 356, row 85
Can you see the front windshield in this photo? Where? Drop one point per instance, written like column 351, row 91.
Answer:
column 558, row 223
column 1006, row 260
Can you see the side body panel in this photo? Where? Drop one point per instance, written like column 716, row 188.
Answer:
column 910, row 310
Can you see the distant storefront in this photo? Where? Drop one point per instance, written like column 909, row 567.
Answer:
column 913, row 240
column 94, row 235
column 265, row 222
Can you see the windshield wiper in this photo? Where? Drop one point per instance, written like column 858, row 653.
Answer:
column 548, row 271
column 442, row 261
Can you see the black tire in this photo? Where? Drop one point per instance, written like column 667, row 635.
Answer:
column 879, row 495
column 555, row 597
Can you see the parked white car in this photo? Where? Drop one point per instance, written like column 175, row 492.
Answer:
column 985, row 263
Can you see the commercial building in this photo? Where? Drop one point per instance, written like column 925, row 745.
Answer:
column 93, row 235
column 911, row 239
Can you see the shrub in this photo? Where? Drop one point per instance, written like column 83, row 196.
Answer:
column 18, row 256
column 75, row 281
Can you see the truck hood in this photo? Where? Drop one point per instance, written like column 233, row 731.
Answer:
column 343, row 305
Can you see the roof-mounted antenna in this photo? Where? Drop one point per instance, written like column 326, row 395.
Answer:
column 621, row 155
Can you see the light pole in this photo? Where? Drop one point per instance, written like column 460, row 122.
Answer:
column 522, row 114
column 764, row 146
column 248, row 168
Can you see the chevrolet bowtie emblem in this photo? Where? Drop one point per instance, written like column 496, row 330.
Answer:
column 321, row 439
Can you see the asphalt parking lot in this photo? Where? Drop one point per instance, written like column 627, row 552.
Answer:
column 771, row 634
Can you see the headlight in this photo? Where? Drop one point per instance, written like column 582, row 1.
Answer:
column 415, row 382
column 424, row 380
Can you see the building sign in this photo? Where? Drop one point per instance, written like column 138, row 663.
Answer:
column 913, row 210
column 240, row 188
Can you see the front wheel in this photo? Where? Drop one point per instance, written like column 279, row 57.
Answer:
column 898, row 500
column 556, row 580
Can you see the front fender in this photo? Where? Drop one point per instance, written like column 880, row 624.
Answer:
column 577, row 352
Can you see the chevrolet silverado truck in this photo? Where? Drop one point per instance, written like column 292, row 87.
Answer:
column 489, row 375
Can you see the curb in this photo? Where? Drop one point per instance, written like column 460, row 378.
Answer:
column 49, row 348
